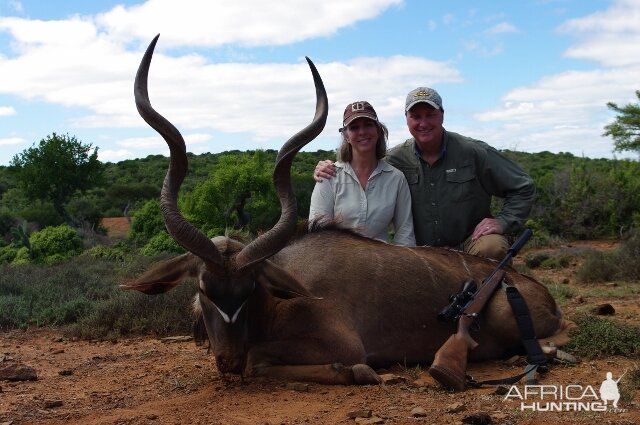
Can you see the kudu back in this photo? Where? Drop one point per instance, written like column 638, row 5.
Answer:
column 329, row 304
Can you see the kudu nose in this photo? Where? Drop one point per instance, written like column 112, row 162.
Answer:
column 229, row 364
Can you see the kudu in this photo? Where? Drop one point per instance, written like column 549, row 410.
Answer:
column 327, row 305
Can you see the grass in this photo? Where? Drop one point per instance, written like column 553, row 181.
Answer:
column 560, row 292
column 82, row 295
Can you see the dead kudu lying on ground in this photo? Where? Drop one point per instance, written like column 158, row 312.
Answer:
column 328, row 305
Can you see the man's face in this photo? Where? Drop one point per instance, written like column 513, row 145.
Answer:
column 425, row 125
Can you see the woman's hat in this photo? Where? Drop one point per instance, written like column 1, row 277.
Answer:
column 355, row 110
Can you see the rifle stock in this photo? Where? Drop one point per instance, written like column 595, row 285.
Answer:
column 450, row 362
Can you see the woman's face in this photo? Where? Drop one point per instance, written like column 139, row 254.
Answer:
column 362, row 134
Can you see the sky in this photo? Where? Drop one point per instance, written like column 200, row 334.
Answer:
column 527, row 75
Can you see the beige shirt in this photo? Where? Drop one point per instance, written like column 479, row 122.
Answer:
column 386, row 200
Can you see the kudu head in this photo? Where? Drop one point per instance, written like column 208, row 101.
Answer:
column 228, row 272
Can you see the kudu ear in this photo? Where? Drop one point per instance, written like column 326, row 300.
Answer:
column 279, row 282
column 165, row 275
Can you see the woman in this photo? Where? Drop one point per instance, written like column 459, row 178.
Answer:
column 367, row 193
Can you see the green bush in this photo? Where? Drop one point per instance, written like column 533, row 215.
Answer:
column 34, row 294
column 547, row 260
column 8, row 254
column 116, row 254
column 83, row 295
column 7, row 221
column 135, row 313
column 147, row 222
column 627, row 257
column 596, row 337
column 54, row 244
column 41, row 212
column 160, row 243
column 561, row 293
column 621, row 263
column 23, row 256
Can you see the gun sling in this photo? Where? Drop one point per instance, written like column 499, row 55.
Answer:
column 535, row 355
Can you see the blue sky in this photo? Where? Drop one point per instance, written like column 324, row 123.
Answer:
column 529, row 75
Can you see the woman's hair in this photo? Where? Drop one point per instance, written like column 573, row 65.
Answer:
column 345, row 154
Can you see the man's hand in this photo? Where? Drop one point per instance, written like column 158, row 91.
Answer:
column 486, row 227
column 324, row 170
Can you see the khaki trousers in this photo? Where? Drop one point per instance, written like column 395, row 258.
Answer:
column 489, row 246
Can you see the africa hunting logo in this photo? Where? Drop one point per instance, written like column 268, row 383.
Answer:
column 568, row 398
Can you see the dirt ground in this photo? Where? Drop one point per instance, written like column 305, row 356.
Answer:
column 152, row 381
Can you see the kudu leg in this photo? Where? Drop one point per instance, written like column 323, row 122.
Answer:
column 322, row 362
column 331, row 374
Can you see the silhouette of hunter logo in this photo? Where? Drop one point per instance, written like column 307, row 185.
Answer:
column 609, row 389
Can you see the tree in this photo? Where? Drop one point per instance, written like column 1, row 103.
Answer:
column 625, row 130
column 57, row 168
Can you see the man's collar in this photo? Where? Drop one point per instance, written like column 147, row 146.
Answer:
column 443, row 147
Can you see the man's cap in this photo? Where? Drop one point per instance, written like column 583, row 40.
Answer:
column 423, row 95
column 355, row 110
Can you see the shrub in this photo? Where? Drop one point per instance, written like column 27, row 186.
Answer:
column 147, row 222
column 559, row 292
column 34, row 294
column 596, row 337
column 547, row 260
column 621, row 263
column 117, row 253
column 630, row 384
column 41, row 212
column 597, row 266
column 628, row 254
column 7, row 220
column 160, row 243
column 534, row 260
column 55, row 244
column 136, row 313
column 23, row 256
column 8, row 254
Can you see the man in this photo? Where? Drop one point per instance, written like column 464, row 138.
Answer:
column 452, row 179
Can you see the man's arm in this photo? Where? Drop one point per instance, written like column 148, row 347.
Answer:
column 505, row 179
column 324, row 170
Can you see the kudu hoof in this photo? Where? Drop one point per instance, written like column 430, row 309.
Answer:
column 364, row 375
column 448, row 378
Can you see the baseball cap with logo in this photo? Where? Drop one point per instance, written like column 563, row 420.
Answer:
column 360, row 109
column 423, row 94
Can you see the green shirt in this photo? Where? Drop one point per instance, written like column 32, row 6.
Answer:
column 453, row 195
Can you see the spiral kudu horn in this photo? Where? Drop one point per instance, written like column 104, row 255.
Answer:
column 184, row 232
column 178, row 227
column 275, row 239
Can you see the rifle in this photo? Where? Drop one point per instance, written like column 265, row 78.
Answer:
column 450, row 363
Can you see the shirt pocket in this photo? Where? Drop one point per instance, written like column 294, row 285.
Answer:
column 412, row 174
column 462, row 183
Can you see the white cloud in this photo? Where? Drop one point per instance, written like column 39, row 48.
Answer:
column 610, row 37
column 245, row 23
column 110, row 155
column 6, row 111
column 12, row 141
column 501, row 28
column 566, row 112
